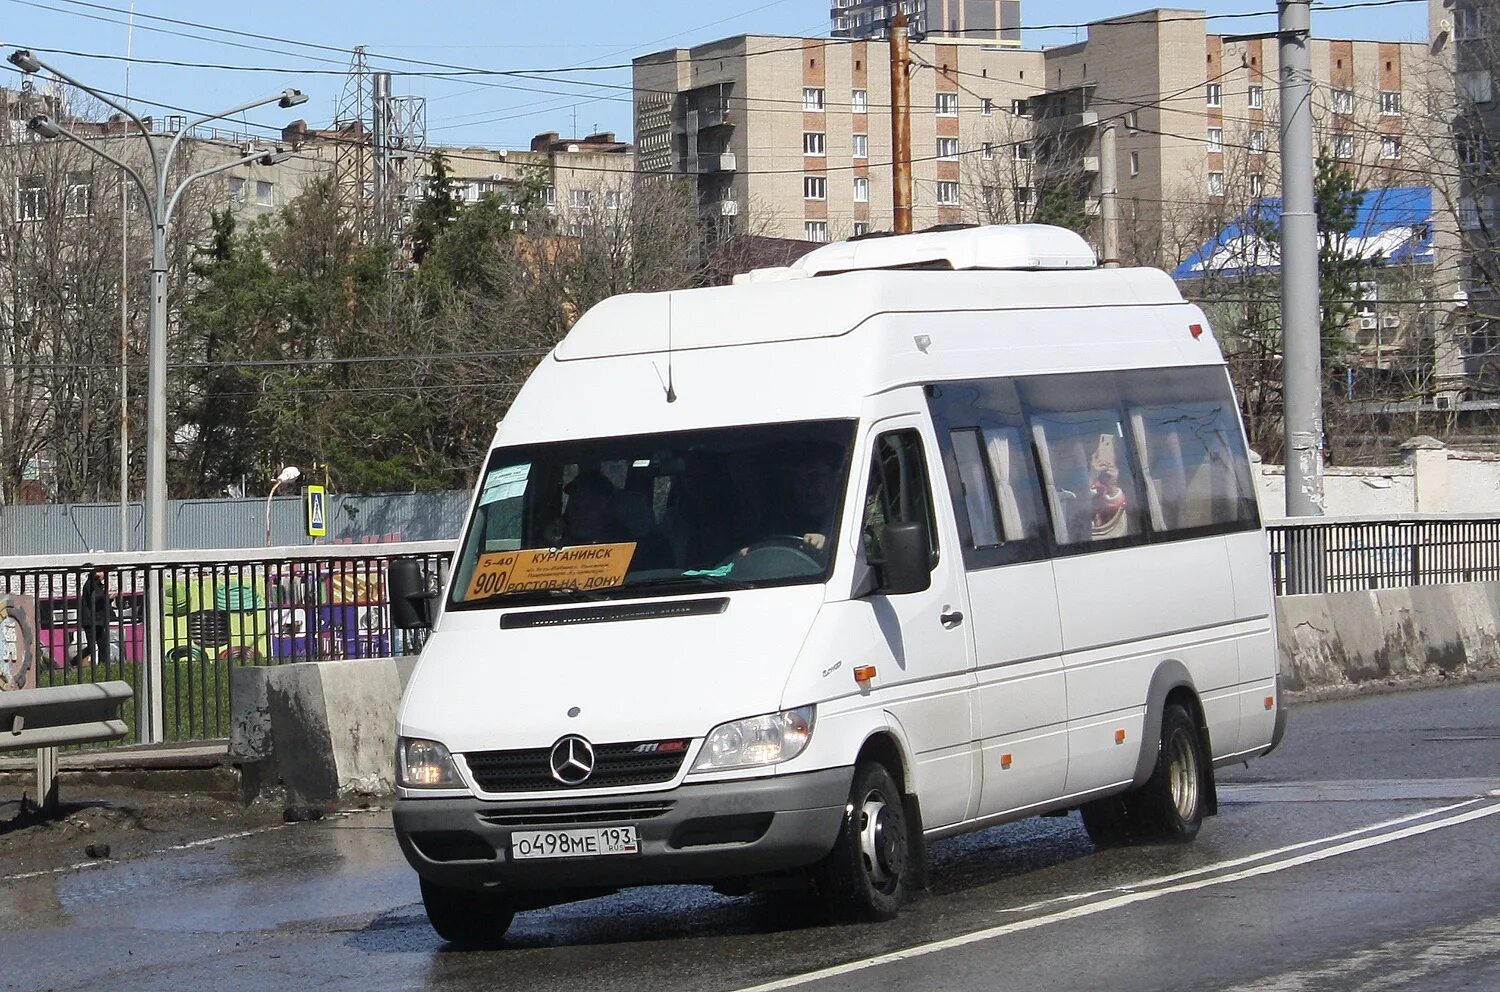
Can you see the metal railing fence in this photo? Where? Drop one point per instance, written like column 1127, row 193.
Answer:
column 1349, row 554
column 200, row 614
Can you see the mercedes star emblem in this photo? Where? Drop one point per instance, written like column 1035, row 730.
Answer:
column 572, row 760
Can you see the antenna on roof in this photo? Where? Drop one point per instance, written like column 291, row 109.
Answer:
column 667, row 385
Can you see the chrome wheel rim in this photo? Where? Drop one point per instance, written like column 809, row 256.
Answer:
column 1182, row 774
column 882, row 841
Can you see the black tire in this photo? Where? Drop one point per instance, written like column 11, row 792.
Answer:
column 1106, row 821
column 867, row 874
column 1169, row 807
column 466, row 917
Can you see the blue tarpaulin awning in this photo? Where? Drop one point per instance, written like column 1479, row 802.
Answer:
column 1392, row 225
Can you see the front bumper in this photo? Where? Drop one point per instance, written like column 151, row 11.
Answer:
column 693, row 833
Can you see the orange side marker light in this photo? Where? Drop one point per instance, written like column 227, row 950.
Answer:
column 864, row 673
column 1270, row 702
column 1119, row 737
column 1004, row 761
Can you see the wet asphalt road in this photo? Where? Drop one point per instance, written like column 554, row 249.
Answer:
column 1362, row 855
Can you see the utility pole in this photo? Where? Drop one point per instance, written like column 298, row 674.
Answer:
column 1109, row 201
column 1301, row 345
column 900, row 126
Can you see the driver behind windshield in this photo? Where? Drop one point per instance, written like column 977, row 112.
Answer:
column 805, row 507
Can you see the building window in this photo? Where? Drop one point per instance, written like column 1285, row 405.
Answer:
column 80, row 197
column 612, row 199
column 1023, row 200
column 1468, row 213
column 947, row 148
column 988, row 152
column 265, row 193
column 1021, row 152
column 1476, row 85
column 861, row 189
column 814, row 187
column 1468, row 23
column 1133, row 120
column 1135, row 163
column 578, row 197
column 236, row 189
column 1343, row 146
column 1343, row 101
column 1474, row 153
column 1258, row 141
column 861, row 228
column 813, row 143
column 1215, row 95
column 947, row 104
column 947, row 193
column 1390, row 103
column 861, row 146
column 1216, row 184
column 815, row 230
column 1216, row 139
column 1390, row 146
column 987, row 106
column 1257, row 97
column 812, row 98
column 1257, row 184
column 859, row 101
column 31, row 198
column 549, row 196
column 1019, row 108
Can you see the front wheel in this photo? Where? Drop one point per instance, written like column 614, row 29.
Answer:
column 466, row 917
column 866, row 875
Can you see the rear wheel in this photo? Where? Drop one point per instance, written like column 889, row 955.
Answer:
column 866, row 875
column 1106, row 821
column 1169, row 807
column 466, row 917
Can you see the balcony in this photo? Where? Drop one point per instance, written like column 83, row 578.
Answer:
column 722, row 162
column 1047, row 126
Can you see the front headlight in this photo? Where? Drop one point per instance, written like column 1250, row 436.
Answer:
column 757, row 740
column 424, row 764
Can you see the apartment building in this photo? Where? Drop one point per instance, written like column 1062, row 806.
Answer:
column 578, row 175
column 793, row 135
column 978, row 22
column 1465, row 45
column 796, row 131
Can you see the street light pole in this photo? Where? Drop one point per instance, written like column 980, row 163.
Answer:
column 151, row 727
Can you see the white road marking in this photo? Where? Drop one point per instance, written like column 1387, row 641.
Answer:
column 1401, row 963
column 1130, row 899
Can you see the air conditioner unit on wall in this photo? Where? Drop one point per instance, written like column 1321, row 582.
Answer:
column 1367, row 323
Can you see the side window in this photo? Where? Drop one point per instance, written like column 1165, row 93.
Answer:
column 898, row 492
column 1080, row 440
column 991, row 470
column 1193, row 459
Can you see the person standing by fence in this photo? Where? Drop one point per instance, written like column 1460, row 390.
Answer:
column 94, row 616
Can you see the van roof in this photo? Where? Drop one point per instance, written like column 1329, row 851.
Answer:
column 826, row 306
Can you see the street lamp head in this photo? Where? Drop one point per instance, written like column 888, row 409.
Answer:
column 273, row 158
column 24, row 60
column 289, row 97
column 42, row 124
column 289, row 474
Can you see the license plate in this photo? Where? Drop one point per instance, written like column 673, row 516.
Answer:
column 589, row 843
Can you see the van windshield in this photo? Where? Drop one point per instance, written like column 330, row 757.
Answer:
column 686, row 512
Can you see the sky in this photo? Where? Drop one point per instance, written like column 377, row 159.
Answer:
column 306, row 45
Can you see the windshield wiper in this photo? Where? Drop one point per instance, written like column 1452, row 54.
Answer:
column 690, row 581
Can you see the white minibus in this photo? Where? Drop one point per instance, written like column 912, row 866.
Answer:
column 773, row 584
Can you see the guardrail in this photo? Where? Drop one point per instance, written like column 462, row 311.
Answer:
column 179, row 622
column 1345, row 554
column 46, row 719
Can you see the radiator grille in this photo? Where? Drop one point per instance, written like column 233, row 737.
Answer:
column 615, row 765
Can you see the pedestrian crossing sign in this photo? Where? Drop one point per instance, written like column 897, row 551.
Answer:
column 314, row 507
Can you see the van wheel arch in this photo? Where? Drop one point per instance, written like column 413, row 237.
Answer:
column 885, row 748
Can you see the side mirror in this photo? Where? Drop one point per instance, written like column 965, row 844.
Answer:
column 411, row 603
column 907, row 566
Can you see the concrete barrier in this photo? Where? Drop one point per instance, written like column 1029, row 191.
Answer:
column 317, row 733
column 1353, row 638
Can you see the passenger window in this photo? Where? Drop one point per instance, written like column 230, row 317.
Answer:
column 1080, row 442
column 1022, row 514
column 898, row 492
column 1194, row 463
column 979, row 499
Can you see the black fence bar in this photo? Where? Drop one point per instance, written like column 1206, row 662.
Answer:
column 210, row 616
column 1348, row 555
